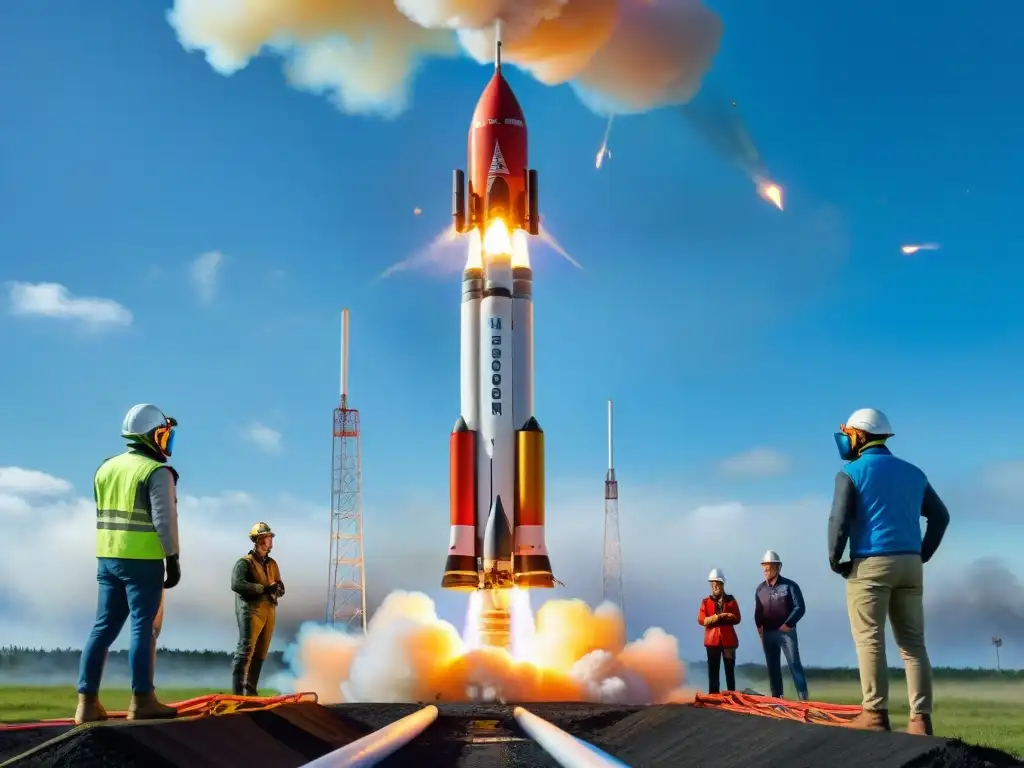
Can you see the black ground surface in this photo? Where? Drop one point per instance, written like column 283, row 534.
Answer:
column 478, row 735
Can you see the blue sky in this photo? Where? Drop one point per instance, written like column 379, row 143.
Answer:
column 718, row 323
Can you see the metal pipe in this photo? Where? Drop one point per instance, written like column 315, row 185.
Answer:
column 568, row 750
column 374, row 747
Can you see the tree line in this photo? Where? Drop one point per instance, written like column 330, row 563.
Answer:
column 12, row 657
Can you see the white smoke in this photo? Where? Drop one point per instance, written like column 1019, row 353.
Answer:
column 619, row 55
column 409, row 655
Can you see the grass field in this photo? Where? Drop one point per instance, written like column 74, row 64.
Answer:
column 989, row 713
column 985, row 712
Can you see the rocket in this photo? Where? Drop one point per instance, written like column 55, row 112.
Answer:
column 497, row 445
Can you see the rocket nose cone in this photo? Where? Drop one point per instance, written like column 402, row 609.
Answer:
column 498, row 100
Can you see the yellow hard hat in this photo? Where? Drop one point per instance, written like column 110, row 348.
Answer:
column 260, row 529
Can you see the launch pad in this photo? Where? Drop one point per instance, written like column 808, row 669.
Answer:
column 464, row 735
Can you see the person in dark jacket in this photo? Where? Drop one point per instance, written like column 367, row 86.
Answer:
column 256, row 582
column 719, row 614
column 877, row 506
column 778, row 606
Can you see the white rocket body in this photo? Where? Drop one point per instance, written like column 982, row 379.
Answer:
column 497, row 528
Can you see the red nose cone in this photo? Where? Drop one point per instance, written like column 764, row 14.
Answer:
column 498, row 101
column 498, row 151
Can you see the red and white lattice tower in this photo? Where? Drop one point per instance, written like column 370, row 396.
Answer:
column 346, row 598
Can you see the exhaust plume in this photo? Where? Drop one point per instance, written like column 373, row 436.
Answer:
column 720, row 124
column 624, row 56
column 409, row 655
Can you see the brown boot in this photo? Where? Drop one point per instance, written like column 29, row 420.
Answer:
column 146, row 707
column 920, row 725
column 89, row 709
column 871, row 720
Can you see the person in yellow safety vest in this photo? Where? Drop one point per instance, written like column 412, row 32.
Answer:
column 256, row 582
column 136, row 535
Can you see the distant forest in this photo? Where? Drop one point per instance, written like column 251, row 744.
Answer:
column 13, row 658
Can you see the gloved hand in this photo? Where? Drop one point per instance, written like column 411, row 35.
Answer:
column 273, row 590
column 173, row 572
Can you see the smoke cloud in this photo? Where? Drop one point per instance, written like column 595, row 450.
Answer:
column 408, row 654
column 622, row 56
column 969, row 608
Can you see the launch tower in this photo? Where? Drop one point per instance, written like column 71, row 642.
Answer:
column 346, row 598
column 611, row 588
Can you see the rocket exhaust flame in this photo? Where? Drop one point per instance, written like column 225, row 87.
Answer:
column 568, row 652
column 604, row 152
column 769, row 191
column 718, row 121
column 475, row 256
column 911, row 249
column 520, row 250
column 497, row 240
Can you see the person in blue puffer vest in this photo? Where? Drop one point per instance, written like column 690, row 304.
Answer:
column 877, row 506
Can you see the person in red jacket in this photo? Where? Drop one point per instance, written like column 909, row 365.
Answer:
column 719, row 614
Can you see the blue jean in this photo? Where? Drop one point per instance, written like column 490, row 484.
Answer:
column 126, row 588
column 776, row 643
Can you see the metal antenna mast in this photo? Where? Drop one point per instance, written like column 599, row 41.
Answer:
column 346, row 598
column 612, row 562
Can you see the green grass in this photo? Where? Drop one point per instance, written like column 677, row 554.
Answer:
column 987, row 712
column 51, row 702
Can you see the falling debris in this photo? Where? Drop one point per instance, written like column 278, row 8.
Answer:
column 719, row 122
column 769, row 191
column 909, row 249
column 604, row 152
column 417, row 211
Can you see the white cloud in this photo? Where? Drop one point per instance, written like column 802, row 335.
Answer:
column 757, row 462
column 29, row 482
column 669, row 543
column 205, row 271
column 263, row 437
column 54, row 300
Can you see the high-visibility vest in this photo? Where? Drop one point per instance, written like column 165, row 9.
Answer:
column 124, row 520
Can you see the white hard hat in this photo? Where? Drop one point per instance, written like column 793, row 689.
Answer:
column 143, row 419
column 771, row 556
column 870, row 420
column 716, row 575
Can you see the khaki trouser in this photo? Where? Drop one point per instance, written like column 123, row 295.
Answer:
column 255, row 631
column 889, row 586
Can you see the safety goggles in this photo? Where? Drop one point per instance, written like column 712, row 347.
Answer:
column 164, row 436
